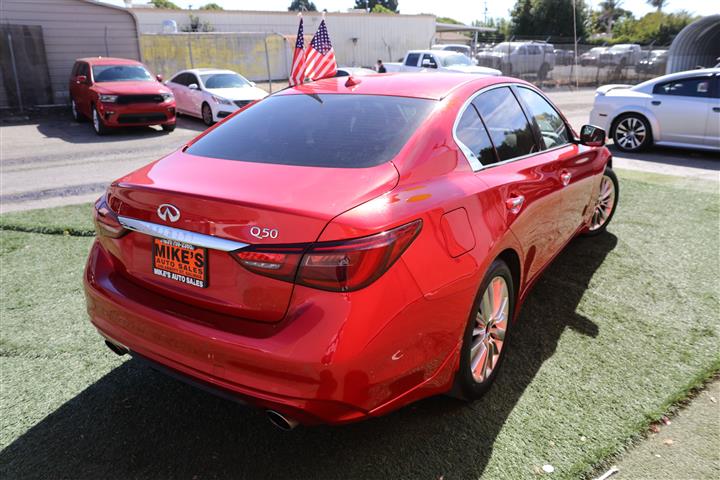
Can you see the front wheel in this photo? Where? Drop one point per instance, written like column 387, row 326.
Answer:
column 168, row 127
column 605, row 204
column 97, row 122
column 77, row 116
column 207, row 114
column 486, row 333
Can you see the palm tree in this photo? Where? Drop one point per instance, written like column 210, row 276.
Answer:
column 659, row 4
column 609, row 12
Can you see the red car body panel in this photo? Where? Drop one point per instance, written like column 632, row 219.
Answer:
column 337, row 357
column 135, row 113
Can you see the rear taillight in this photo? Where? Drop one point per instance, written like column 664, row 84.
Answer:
column 340, row 266
column 107, row 223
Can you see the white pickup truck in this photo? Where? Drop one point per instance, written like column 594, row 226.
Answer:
column 438, row 60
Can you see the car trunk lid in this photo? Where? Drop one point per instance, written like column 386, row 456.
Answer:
column 251, row 203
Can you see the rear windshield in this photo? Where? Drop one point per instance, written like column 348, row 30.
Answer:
column 336, row 130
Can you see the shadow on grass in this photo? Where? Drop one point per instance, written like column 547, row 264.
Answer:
column 134, row 422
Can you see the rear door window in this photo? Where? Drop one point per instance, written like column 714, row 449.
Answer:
column 507, row 125
column 180, row 79
column 552, row 128
column 686, row 87
column 412, row 59
column 472, row 133
column 335, row 130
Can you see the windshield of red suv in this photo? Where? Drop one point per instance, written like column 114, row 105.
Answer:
column 120, row 73
column 335, row 130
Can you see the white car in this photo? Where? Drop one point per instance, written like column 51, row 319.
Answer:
column 212, row 94
column 679, row 110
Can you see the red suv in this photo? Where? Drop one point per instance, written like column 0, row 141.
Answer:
column 116, row 92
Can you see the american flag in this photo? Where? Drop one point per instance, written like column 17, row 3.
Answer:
column 320, row 57
column 297, row 74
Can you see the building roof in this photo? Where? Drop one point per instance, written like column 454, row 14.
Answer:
column 434, row 85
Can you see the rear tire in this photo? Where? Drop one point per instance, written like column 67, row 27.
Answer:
column 631, row 133
column 97, row 122
column 77, row 116
column 605, row 204
column 486, row 333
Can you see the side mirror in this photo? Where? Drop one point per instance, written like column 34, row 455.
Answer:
column 159, row 78
column 592, row 136
column 193, row 86
column 80, row 79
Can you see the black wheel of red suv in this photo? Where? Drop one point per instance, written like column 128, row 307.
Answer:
column 486, row 333
column 168, row 127
column 97, row 122
column 77, row 116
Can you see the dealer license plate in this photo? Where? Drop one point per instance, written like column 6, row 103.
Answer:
column 180, row 262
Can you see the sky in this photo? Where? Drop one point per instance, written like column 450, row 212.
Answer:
column 462, row 10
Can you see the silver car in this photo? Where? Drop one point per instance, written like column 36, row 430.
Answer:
column 678, row 110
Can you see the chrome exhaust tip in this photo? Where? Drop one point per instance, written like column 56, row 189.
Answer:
column 117, row 349
column 281, row 421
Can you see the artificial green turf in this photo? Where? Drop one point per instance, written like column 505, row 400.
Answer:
column 618, row 327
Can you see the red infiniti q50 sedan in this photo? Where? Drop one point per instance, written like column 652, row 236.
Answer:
column 343, row 248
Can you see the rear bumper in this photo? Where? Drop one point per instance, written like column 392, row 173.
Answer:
column 140, row 114
column 333, row 360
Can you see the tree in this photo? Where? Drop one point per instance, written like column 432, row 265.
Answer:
column 609, row 11
column 659, row 4
column 544, row 18
column 302, row 6
column 447, row 20
column 380, row 9
column 657, row 27
column 391, row 5
column 211, row 6
column 196, row 25
column 167, row 4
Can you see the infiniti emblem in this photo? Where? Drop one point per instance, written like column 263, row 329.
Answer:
column 168, row 212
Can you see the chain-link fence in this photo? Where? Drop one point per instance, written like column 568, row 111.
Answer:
column 560, row 64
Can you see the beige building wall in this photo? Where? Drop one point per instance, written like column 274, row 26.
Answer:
column 359, row 39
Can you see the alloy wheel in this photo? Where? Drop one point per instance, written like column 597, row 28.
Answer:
column 488, row 336
column 631, row 133
column 73, row 106
column 604, row 204
column 207, row 115
column 96, row 120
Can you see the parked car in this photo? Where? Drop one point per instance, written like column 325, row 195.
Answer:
column 454, row 47
column 621, row 55
column 339, row 267
column 591, row 56
column 212, row 94
column 654, row 63
column 564, row 57
column 520, row 58
column 117, row 92
column 354, row 71
column 680, row 110
column 438, row 60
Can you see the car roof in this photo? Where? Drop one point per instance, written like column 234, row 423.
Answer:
column 207, row 70
column 430, row 85
column 108, row 61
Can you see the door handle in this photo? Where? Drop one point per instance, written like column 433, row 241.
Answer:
column 656, row 102
column 515, row 203
column 565, row 178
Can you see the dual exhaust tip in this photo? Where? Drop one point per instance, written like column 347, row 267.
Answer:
column 276, row 418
